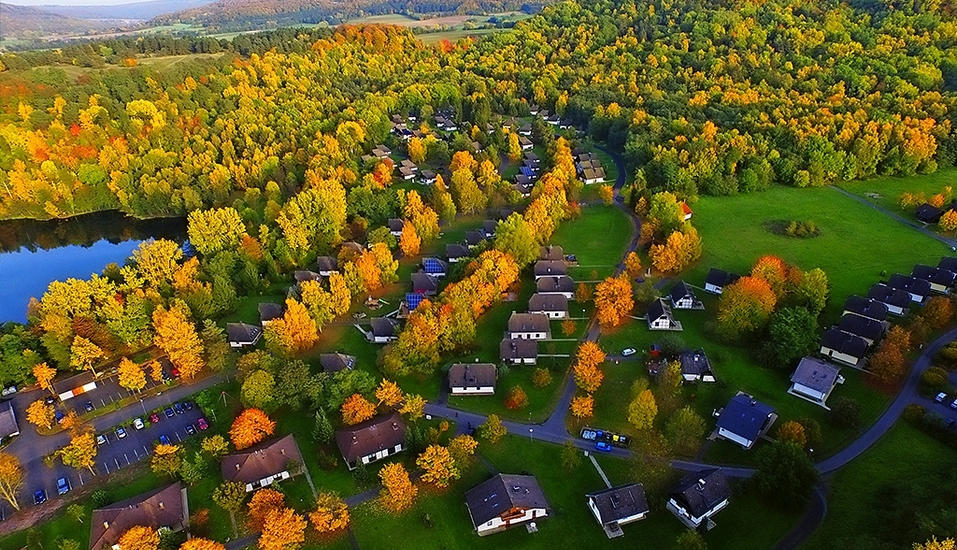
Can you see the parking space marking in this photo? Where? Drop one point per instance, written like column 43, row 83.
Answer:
column 136, row 454
column 80, row 477
column 177, row 437
column 127, row 459
column 117, row 461
column 107, row 466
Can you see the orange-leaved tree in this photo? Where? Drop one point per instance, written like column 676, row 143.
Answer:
column 745, row 307
column 331, row 514
column 439, row 466
column 613, row 301
column 582, row 406
column 413, row 407
column 84, row 354
column 11, row 479
column 202, row 544
column 80, row 452
column 176, row 335
column 263, row 502
column 131, row 375
column 633, row 264
column 588, row 376
column 295, row 332
column 282, row 530
column 40, row 414
column 357, row 409
column 139, row 537
column 389, row 393
column 409, row 241
column 515, row 398
column 45, row 375
column 773, row 270
column 398, row 492
column 250, row 427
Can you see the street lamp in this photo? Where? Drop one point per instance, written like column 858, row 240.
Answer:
column 530, row 438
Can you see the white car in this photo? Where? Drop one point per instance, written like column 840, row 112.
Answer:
column 138, row 423
column 628, row 352
column 940, row 397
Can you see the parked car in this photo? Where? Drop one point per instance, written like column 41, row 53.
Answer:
column 175, row 372
column 202, row 424
column 49, row 400
column 39, row 497
column 627, row 352
column 100, row 439
column 154, row 418
column 138, row 423
column 179, row 407
column 602, row 446
column 190, row 429
column 953, row 404
column 188, row 405
column 169, row 412
column 62, row 486
column 58, row 415
column 120, row 433
column 940, row 397
column 164, row 440
column 8, row 391
column 88, row 406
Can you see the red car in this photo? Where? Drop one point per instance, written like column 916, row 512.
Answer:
column 202, row 424
column 154, row 418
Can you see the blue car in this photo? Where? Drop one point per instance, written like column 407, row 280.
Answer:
column 62, row 486
column 169, row 412
column 39, row 497
column 602, row 446
column 164, row 440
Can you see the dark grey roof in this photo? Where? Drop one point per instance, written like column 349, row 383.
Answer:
column 561, row 283
column 934, row 275
column 845, row 343
column 335, row 362
column 382, row 326
column 474, row 237
column 471, row 375
column 866, row 307
column 395, row 224
column 528, row 322
column 242, row 333
column 815, row 374
column 720, row 278
column 547, row 302
column 551, row 268
column 699, row 492
column 949, row 263
column 909, row 284
column 518, row 348
column 261, row 461
column 861, row 326
column 551, row 252
column 269, row 311
column 434, row 265
column 456, row 251
column 8, row 420
column 620, row 502
column 304, row 275
column 658, row 309
column 681, row 290
column 928, row 213
column 489, row 226
column 327, row 263
column 694, row 363
column 888, row 295
column 502, row 493
column 369, row 437
column 423, row 282
column 745, row 416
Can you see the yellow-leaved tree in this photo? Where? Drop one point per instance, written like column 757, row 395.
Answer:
column 131, row 375
column 176, row 335
column 331, row 514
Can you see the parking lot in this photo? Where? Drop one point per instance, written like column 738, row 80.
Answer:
column 107, row 391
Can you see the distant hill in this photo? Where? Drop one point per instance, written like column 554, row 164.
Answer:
column 135, row 10
column 30, row 22
column 249, row 14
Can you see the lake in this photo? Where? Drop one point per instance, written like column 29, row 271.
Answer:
column 35, row 253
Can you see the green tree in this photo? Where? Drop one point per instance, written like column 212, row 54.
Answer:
column 571, row 455
column 792, row 334
column 321, row 428
column 258, row 390
column 216, row 350
column 785, row 475
column 812, row 290
column 492, row 429
column 230, row 495
column 514, row 237
column 642, row 410
column 685, row 430
column 690, row 540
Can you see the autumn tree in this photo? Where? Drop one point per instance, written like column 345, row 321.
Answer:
column 462, row 447
column 633, row 264
column 948, row 221
column 588, row 376
column 215, row 446
column 258, row 390
column 331, row 514
column 45, row 375
column 745, row 307
column 413, row 407
column 357, row 409
column 131, row 375
column 568, row 327
column 492, row 429
column 40, row 414
column 774, row 271
column 389, row 393
column 80, row 452
column 938, row 311
column 607, row 194
column 583, row 293
column 416, row 149
column 582, row 406
column 156, row 371
column 398, row 493
column 468, row 197
column 250, row 427
column 84, row 354
column 282, row 530
column 176, row 335
column 264, row 502
column 792, row 431
column 295, row 331
column 571, row 455
column 665, row 212
column 139, row 537
column 230, row 495
column 514, row 236
column 409, row 241
column 201, row 544
column 157, row 260
column 680, row 250
column 934, row 544
column 642, row 410
column 11, row 479
column 685, row 430
column 812, row 290
column 613, row 301
column 541, row 377
column 515, row 398
column 887, row 362
column 216, row 229
column 438, row 465
column 166, row 459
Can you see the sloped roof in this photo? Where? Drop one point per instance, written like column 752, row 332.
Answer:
column 934, row 275
column 518, row 348
column 866, row 307
column 658, row 309
column 547, row 302
column 242, row 333
column 744, row 416
column 553, row 268
column 721, row 278
column 928, row 213
column 861, row 326
column 304, row 275
column 681, row 290
column 456, row 250
column 369, row 437
column 327, row 263
column 8, row 420
column 909, row 284
column 161, row 507
column 269, row 311
column 694, row 362
column 845, row 343
column 888, row 295
column 528, row 322
column 551, row 252
column 383, row 327
column 562, row 283
column 815, row 374
column 423, row 282
column 335, row 362
column 261, row 461
column 472, row 374
column 395, row 224
column 699, row 492
column 434, row 265
column 495, row 497
column 620, row 502
column 474, row 237
column 949, row 263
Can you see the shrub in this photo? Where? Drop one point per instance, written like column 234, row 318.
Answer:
column 845, row 412
column 934, row 377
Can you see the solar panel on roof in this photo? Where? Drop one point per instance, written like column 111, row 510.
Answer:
column 432, row 265
column 527, row 171
column 413, row 300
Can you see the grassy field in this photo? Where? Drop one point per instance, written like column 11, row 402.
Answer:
column 886, row 191
column 902, row 452
column 598, row 238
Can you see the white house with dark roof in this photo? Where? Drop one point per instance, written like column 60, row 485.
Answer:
column 617, row 506
column 555, row 306
column 472, row 379
column 529, row 326
column 896, row 300
column 8, row 420
column 269, row 312
column 660, row 318
column 327, row 265
column 814, row 380
column 163, row 508
column 384, row 330
column 940, row 279
column 695, row 366
column 865, row 307
column 241, row 335
column 698, row 497
column 505, row 501
column 717, row 279
column 395, row 227
column 263, row 464
column 551, row 252
column 843, row 347
column 918, row 289
column 682, row 297
column 865, row 327
column 335, row 362
column 518, row 351
column 424, row 284
column 563, row 285
column 744, row 420
column 371, row 440
column 456, row 252
column 550, row 268
column 949, row 263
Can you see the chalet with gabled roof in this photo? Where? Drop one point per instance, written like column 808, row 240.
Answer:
column 555, row 306
column 918, row 289
column 695, row 366
column 488, row 227
column 384, row 330
column 157, row 509
column 395, row 227
column 456, row 252
column 865, row 327
column 505, row 501
column 335, row 362
column 269, row 312
column 940, row 279
column 518, row 351
column 435, row 267
column 698, row 497
column 682, row 297
column 550, row 268
column 717, row 279
column 659, row 316
column 843, row 347
column 472, row 379
column 474, row 238
column 424, row 284
column 896, row 300
column 563, row 285
column 865, row 307
column 303, row 275
column 529, row 326
column 551, row 253
column 372, row 440
column 744, row 420
column 928, row 213
column 617, row 506
column 241, row 335
column 949, row 263
column 263, row 464
column 327, row 265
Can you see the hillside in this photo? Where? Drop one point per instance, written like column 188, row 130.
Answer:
column 134, row 10
column 249, row 14
column 29, row 22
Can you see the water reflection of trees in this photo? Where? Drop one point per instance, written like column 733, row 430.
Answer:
column 85, row 230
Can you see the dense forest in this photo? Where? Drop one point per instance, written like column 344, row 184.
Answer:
column 705, row 97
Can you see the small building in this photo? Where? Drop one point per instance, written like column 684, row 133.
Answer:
column 843, row 347
column 327, row 265
column 563, row 285
column 335, row 362
column 686, row 211
column 395, row 227
column 488, row 227
column 552, row 253
column 409, row 164
column 505, row 501
column 698, row 497
column 241, row 335
column 371, row 440
column 263, row 464
column 349, row 250
column 435, row 267
column 865, row 327
column 472, row 379
column 523, row 185
column 814, row 380
column 940, row 279
column 866, row 307
column 427, row 177
column 381, row 151
column 269, row 312
column 949, row 263
column 918, row 289
column 406, row 173
column 555, row 306
column 518, row 351
column 304, row 275
column 659, row 316
column 456, row 252
column 529, row 326
column 8, row 420
column 550, row 268
column 682, row 297
column 695, row 366
column 617, row 506
column 163, row 508
column 745, row 419
column 928, row 213
column 593, row 175
column 717, row 279
column 384, row 330
column 896, row 300
column 424, row 284
column 474, row 238
column 533, row 109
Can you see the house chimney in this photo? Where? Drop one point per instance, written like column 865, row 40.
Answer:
column 237, row 466
column 161, row 506
column 701, row 484
column 106, row 525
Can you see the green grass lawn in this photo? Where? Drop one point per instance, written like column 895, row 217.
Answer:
column 886, row 191
column 733, row 238
column 898, row 456
column 598, row 238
